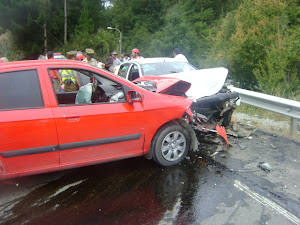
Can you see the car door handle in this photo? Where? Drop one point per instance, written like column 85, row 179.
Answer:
column 72, row 118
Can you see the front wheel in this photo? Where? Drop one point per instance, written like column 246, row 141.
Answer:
column 171, row 145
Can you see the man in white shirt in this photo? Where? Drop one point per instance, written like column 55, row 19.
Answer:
column 116, row 61
column 179, row 56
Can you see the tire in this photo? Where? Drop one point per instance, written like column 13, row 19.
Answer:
column 170, row 145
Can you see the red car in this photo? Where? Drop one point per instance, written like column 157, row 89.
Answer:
column 42, row 130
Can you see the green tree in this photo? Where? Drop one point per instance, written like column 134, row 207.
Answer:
column 258, row 43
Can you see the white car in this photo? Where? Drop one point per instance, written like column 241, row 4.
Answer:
column 211, row 98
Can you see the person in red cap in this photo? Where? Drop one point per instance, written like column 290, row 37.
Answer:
column 136, row 54
column 79, row 57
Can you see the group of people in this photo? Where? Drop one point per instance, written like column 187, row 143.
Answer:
column 112, row 61
column 67, row 80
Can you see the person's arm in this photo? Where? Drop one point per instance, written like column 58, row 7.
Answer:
column 77, row 80
column 58, row 76
column 76, row 77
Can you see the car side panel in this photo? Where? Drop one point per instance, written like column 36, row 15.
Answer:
column 99, row 131
column 28, row 138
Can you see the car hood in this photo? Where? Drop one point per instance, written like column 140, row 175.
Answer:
column 204, row 82
column 167, row 85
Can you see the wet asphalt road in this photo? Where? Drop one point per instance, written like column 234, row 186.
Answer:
column 209, row 187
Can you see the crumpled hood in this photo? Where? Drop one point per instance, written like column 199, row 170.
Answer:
column 204, row 82
column 167, row 85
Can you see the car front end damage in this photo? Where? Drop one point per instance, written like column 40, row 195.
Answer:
column 206, row 115
column 200, row 127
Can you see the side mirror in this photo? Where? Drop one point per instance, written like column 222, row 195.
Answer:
column 133, row 96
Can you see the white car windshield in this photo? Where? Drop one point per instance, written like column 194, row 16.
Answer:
column 162, row 68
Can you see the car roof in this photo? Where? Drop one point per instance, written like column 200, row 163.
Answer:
column 54, row 63
column 154, row 60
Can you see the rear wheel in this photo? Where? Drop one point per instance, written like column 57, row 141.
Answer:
column 171, row 145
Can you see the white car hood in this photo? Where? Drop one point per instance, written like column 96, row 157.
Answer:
column 204, row 82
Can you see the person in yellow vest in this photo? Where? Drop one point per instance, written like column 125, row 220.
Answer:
column 69, row 77
column 89, row 57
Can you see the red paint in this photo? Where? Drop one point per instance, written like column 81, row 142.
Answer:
column 222, row 132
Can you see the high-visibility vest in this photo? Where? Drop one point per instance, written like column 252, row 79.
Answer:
column 68, row 74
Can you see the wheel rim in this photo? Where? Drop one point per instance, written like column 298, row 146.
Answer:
column 173, row 146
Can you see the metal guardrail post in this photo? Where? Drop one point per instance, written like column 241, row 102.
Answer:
column 272, row 103
column 294, row 126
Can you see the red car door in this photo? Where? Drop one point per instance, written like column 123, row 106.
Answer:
column 101, row 131
column 28, row 137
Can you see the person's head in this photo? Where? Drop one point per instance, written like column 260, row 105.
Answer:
column 79, row 56
column 122, row 57
column 126, row 56
column 89, row 53
column 114, row 54
column 50, row 55
column 135, row 52
column 176, row 51
column 71, row 55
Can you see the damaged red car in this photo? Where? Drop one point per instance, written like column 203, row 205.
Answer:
column 108, row 118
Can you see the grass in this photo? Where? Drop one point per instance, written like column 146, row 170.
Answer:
column 265, row 120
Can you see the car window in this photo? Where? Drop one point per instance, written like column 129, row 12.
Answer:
column 162, row 68
column 123, row 70
column 134, row 72
column 19, row 90
column 94, row 88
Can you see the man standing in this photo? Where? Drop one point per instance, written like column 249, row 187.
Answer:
column 56, row 79
column 116, row 61
column 136, row 54
column 89, row 57
column 179, row 56
column 69, row 77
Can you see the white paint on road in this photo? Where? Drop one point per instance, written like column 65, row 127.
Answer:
column 267, row 202
column 171, row 215
column 66, row 188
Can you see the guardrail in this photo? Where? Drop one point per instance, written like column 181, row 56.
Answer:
column 275, row 104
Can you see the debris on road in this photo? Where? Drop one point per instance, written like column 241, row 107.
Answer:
column 265, row 166
column 273, row 146
column 242, row 146
column 240, row 130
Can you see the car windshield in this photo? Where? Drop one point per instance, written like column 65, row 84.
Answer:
column 162, row 68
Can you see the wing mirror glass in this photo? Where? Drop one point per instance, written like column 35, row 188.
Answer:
column 133, row 96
